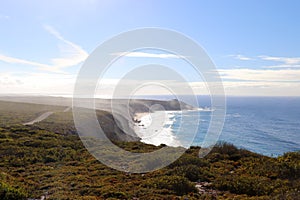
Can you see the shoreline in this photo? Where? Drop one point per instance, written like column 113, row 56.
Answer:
column 155, row 133
column 139, row 121
column 137, row 116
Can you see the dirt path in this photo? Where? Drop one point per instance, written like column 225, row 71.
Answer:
column 39, row 118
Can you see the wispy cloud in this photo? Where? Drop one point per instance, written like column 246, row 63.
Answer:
column 278, row 62
column 240, row 57
column 285, row 60
column 71, row 55
column 9, row 59
column 256, row 75
column 148, row 55
column 282, row 67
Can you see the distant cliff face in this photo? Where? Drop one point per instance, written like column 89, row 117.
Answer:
column 138, row 106
column 134, row 105
column 110, row 127
column 116, row 117
column 118, row 126
column 124, row 111
column 62, row 123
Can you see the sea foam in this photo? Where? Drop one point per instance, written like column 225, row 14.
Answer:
column 156, row 128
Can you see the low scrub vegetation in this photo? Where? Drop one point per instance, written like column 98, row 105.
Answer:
column 36, row 162
column 42, row 162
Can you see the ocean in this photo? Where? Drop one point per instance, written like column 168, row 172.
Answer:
column 265, row 125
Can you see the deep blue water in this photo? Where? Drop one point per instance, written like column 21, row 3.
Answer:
column 265, row 125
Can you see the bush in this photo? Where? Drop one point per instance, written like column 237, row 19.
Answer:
column 9, row 193
column 189, row 160
column 191, row 172
column 225, row 148
column 178, row 184
column 252, row 186
column 290, row 165
column 118, row 195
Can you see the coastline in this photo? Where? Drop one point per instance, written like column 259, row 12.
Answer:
column 156, row 132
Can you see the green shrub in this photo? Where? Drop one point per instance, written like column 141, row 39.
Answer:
column 290, row 165
column 178, row 184
column 117, row 195
column 188, row 159
column 9, row 193
column 243, row 184
column 191, row 172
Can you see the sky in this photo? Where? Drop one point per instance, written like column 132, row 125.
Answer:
column 254, row 45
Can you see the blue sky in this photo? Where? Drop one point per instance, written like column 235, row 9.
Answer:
column 255, row 44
